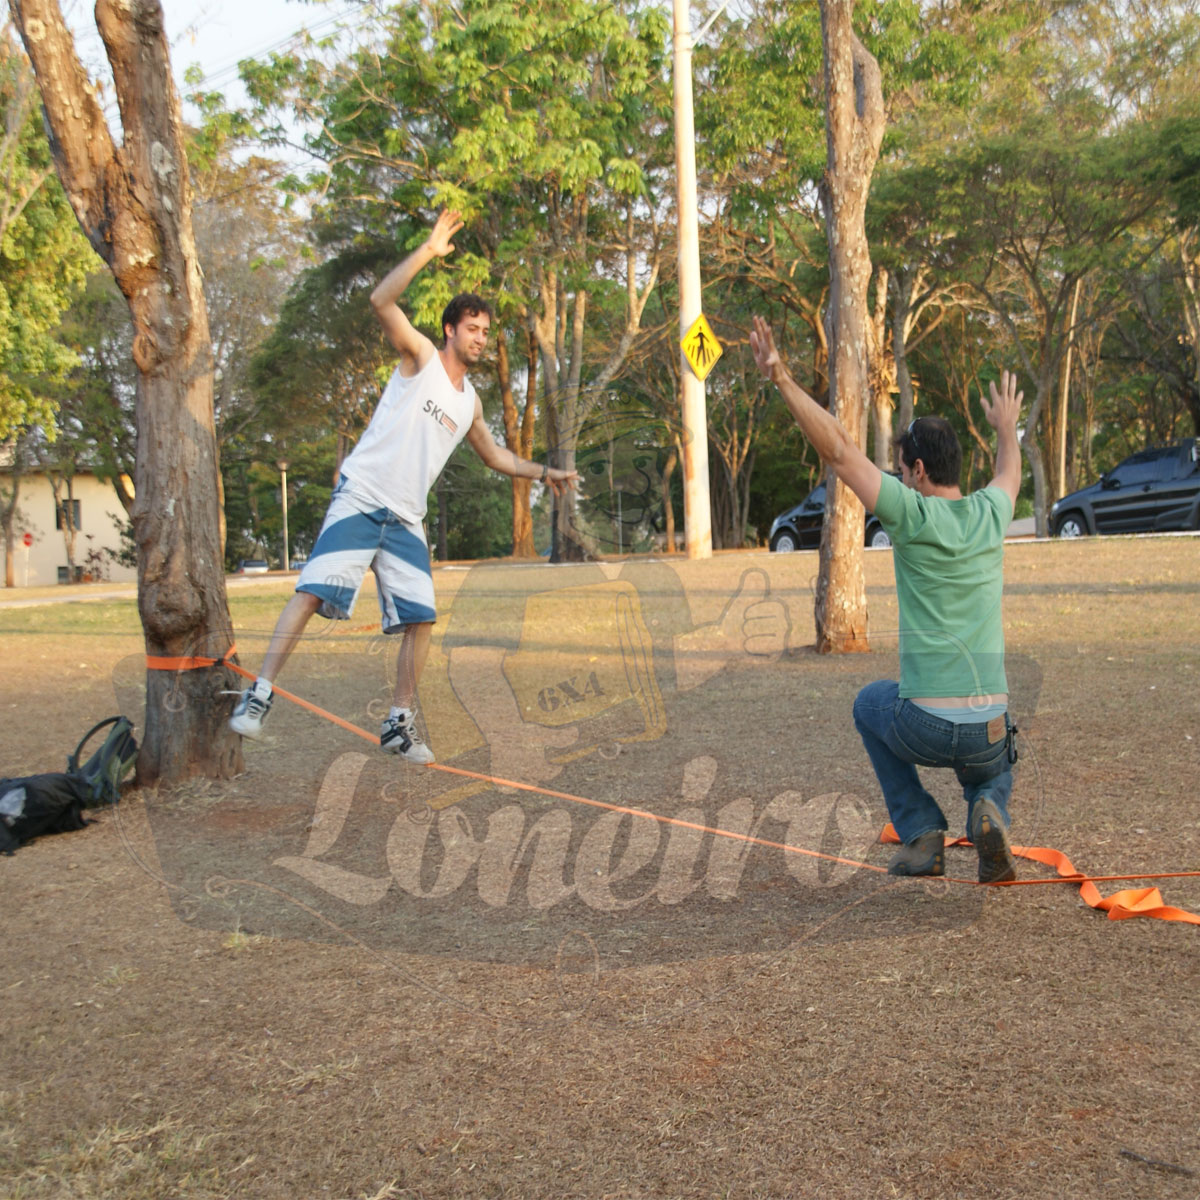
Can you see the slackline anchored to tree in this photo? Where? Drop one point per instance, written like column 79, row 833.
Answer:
column 1123, row 905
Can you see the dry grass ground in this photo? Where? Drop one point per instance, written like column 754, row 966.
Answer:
column 901, row 1041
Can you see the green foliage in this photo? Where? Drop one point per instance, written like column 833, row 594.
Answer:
column 1177, row 159
column 44, row 257
column 478, row 509
column 95, row 402
column 1028, row 147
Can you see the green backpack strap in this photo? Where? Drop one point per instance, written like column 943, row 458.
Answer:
column 105, row 770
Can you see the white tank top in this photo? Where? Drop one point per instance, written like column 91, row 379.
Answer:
column 419, row 421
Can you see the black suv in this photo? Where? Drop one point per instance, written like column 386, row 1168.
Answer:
column 800, row 527
column 1150, row 490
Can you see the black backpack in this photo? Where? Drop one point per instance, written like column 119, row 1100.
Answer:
column 54, row 802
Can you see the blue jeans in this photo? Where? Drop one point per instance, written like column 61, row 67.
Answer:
column 899, row 736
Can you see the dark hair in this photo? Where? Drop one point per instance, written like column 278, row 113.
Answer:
column 934, row 442
column 465, row 304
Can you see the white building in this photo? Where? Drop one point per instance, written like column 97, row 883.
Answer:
column 40, row 553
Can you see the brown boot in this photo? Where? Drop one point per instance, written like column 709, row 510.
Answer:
column 990, row 839
column 925, row 855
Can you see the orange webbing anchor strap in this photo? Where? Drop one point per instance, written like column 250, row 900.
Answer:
column 197, row 663
column 1120, row 906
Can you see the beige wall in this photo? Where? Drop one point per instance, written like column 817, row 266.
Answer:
column 100, row 514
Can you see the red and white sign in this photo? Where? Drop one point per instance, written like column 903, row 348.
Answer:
column 28, row 539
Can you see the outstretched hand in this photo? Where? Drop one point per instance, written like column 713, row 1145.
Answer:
column 762, row 346
column 1005, row 409
column 440, row 239
column 560, row 481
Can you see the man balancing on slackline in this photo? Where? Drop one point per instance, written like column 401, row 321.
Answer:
column 950, row 708
column 376, row 515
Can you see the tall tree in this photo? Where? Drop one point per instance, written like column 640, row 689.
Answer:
column 134, row 204
column 1181, row 142
column 855, row 122
column 1041, row 205
column 541, row 123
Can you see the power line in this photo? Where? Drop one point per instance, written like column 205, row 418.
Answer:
column 228, row 71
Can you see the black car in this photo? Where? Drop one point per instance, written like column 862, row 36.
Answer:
column 1151, row 490
column 800, row 527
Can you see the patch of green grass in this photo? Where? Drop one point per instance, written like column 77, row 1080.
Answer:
column 256, row 610
column 109, row 617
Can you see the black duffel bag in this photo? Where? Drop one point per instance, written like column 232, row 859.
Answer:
column 38, row 804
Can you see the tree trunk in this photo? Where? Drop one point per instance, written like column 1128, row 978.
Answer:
column 673, row 456
column 567, row 406
column 10, row 507
column 904, row 287
column 1033, row 450
column 854, row 118
column 134, row 205
column 1058, row 480
column 1037, row 468
column 442, row 549
column 523, row 544
column 572, row 546
column 522, row 519
column 122, row 486
column 883, row 374
column 65, row 514
column 8, row 514
column 70, row 532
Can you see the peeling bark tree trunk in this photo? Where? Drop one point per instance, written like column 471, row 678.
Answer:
column 854, row 121
column 134, row 204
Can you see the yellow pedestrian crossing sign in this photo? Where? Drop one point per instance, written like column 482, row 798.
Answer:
column 701, row 348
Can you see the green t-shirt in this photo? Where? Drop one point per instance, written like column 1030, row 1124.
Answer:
column 949, row 560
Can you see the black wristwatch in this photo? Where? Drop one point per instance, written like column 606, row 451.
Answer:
column 545, row 472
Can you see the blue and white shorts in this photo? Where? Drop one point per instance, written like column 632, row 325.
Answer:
column 357, row 535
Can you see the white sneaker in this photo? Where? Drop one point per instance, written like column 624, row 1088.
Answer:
column 399, row 735
column 249, row 714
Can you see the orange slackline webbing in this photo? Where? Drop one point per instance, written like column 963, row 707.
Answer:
column 1133, row 902
column 641, row 812
column 1120, row 906
column 159, row 663
column 193, row 663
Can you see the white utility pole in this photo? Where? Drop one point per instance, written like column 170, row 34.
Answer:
column 283, row 469
column 697, row 515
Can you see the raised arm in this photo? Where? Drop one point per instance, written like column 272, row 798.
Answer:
column 828, row 438
column 1002, row 415
column 414, row 347
column 501, row 459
